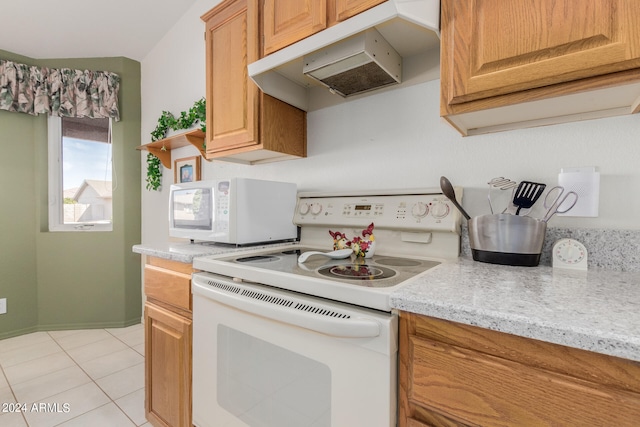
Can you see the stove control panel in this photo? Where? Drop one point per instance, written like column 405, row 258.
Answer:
column 411, row 212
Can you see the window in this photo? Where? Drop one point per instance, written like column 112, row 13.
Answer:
column 80, row 169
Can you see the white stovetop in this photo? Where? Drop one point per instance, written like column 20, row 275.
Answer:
column 597, row 311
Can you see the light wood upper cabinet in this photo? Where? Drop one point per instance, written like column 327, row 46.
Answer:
column 239, row 116
column 345, row 9
column 492, row 51
column 232, row 99
column 288, row 21
column 502, row 46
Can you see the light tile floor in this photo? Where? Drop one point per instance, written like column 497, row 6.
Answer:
column 92, row 377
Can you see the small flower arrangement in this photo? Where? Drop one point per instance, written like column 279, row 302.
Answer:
column 340, row 240
column 363, row 247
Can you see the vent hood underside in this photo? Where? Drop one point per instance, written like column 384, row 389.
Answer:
column 358, row 64
column 409, row 26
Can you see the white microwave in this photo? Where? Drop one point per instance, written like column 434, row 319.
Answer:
column 237, row 211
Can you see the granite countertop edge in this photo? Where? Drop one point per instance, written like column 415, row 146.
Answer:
column 597, row 310
column 186, row 252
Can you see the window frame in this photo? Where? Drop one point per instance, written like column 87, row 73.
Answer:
column 55, row 184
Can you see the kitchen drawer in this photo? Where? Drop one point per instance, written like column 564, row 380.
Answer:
column 176, row 266
column 168, row 286
column 481, row 389
column 586, row 365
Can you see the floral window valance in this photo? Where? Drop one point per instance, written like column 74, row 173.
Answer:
column 58, row 91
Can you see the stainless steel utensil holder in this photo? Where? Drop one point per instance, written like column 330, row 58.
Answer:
column 507, row 239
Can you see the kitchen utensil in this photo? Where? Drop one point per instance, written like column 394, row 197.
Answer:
column 511, row 208
column 559, row 199
column 507, row 239
column 339, row 254
column 503, row 184
column 527, row 194
column 447, row 190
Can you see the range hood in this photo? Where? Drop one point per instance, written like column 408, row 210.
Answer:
column 358, row 64
column 355, row 56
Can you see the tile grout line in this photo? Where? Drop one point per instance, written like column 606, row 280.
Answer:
column 94, row 381
column 12, row 393
column 22, row 413
column 98, row 385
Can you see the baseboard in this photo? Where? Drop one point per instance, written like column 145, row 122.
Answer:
column 70, row 326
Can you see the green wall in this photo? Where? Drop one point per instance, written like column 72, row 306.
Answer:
column 18, row 221
column 68, row 280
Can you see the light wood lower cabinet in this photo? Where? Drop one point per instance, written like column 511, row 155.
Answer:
column 459, row 375
column 168, row 343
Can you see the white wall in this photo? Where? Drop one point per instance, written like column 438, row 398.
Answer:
column 173, row 78
column 396, row 139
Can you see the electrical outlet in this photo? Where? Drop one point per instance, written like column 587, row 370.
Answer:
column 3, row 305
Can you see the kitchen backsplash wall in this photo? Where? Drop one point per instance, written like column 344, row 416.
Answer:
column 394, row 138
column 617, row 250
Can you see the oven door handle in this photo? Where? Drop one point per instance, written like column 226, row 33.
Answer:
column 352, row 327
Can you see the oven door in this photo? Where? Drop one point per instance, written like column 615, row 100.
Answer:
column 266, row 357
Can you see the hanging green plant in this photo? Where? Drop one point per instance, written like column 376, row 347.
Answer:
column 154, row 172
column 196, row 114
column 166, row 121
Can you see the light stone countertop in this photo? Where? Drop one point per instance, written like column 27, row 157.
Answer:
column 186, row 252
column 598, row 310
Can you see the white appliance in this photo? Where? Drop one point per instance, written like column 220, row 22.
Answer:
column 279, row 343
column 409, row 27
column 236, row 211
column 359, row 64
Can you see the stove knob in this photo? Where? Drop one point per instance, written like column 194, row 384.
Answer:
column 419, row 210
column 439, row 210
column 304, row 209
column 316, row 208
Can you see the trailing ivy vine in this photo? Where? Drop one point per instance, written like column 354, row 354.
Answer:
column 154, row 172
column 166, row 121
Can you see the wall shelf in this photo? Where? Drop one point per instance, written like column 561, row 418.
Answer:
column 194, row 137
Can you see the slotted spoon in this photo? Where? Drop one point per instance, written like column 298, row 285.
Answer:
column 527, row 194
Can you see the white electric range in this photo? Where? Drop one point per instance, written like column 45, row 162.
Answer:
column 278, row 342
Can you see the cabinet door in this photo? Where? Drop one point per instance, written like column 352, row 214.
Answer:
column 168, row 367
column 288, row 21
column 232, row 98
column 479, row 389
column 495, row 47
column 345, row 9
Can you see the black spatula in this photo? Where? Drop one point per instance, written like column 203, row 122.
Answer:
column 527, row 194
